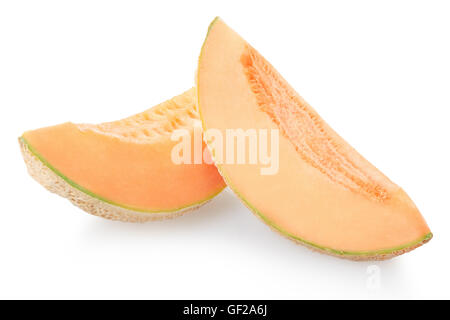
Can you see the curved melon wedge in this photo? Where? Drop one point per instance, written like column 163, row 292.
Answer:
column 324, row 195
column 123, row 170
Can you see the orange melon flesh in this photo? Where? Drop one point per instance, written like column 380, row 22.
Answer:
column 324, row 195
column 128, row 162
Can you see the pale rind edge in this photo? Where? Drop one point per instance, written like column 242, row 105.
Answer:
column 54, row 181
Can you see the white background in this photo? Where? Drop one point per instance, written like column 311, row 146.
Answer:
column 378, row 72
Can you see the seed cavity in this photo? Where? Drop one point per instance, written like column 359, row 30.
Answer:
column 309, row 134
column 153, row 124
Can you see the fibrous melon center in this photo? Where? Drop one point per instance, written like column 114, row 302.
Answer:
column 306, row 131
column 153, row 124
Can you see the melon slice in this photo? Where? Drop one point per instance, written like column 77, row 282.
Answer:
column 324, row 195
column 123, row 170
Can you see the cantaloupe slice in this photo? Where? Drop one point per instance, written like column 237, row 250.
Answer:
column 123, row 170
column 324, row 195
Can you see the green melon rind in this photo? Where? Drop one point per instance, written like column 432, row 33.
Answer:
column 352, row 255
column 365, row 254
column 93, row 195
